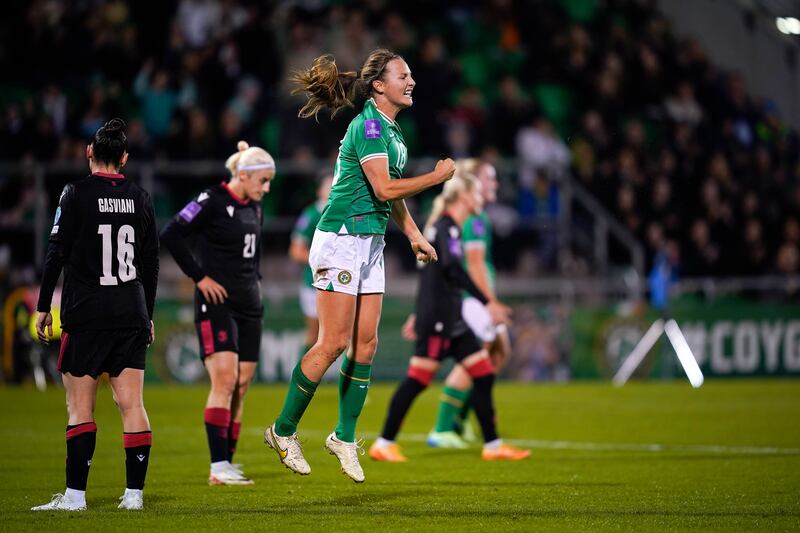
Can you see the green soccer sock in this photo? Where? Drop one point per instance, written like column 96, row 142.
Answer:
column 301, row 390
column 353, row 388
column 452, row 401
column 463, row 414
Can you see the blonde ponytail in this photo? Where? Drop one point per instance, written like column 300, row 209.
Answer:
column 233, row 161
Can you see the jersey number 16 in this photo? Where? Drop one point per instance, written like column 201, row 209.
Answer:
column 125, row 239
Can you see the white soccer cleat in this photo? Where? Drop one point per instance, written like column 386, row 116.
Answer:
column 227, row 475
column 133, row 500
column 288, row 449
column 347, row 453
column 61, row 503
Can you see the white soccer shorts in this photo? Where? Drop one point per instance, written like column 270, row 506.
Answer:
column 479, row 321
column 352, row 264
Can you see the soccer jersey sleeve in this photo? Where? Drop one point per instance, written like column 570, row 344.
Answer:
column 370, row 139
column 448, row 248
column 474, row 233
column 188, row 221
column 62, row 235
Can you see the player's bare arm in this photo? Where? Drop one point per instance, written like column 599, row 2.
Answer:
column 387, row 189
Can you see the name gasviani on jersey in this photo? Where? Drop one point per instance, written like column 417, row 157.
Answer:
column 116, row 205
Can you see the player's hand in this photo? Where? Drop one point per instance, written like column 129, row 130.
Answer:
column 152, row 336
column 44, row 320
column 408, row 331
column 500, row 313
column 445, row 168
column 212, row 291
column 423, row 250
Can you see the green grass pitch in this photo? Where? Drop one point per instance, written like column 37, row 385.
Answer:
column 652, row 456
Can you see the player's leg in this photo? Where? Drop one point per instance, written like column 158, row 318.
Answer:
column 421, row 372
column 308, row 304
column 81, row 439
column 481, row 370
column 354, row 378
column 223, row 372
column 247, row 370
column 249, row 350
column 336, row 318
column 454, row 398
column 137, row 438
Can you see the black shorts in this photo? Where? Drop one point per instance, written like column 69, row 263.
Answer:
column 438, row 347
column 96, row 352
column 221, row 330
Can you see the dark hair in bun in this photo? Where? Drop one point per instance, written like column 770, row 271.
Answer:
column 110, row 142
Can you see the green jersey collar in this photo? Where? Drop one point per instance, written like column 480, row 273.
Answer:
column 384, row 115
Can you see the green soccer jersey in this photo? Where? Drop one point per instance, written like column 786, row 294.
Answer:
column 477, row 233
column 304, row 230
column 352, row 206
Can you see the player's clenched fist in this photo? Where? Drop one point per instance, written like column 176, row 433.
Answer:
column 445, row 168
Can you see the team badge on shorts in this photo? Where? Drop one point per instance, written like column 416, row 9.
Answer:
column 345, row 277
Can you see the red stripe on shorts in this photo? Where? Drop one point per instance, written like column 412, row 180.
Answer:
column 434, row 346
column 64, row 339
column 208, row 337
column 132, row 440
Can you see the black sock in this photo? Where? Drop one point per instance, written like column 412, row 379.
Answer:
column 81, row 439
column 484, row 406
column 217, row 421
column 233, row 438
column 399, row 406
column 137, row 456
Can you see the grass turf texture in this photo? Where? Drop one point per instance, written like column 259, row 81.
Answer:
column 728, row 460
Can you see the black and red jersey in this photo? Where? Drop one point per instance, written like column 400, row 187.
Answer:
column 227, row 245
column 441, row 283
column 104, row 236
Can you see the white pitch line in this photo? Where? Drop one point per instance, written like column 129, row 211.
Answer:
column 601, row 446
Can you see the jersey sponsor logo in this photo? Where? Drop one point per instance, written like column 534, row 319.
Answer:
column 190, row 211
column 116, row 205
column 454, row 246
column 345, row 277
column 372, row 128
column 230, row 210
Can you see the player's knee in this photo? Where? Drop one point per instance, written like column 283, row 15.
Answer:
column 225, row 382
column 367, row 348
column 243, row 386
column 333, row 347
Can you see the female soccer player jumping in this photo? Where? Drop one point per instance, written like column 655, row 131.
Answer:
column 346, row 255
column 104, row 236
column 225, row 266
column 441, row 331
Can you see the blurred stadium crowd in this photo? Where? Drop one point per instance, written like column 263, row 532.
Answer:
column 694, row 166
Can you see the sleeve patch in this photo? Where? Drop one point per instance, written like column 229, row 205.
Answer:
column 372, row 128
column 478, row 227
column 190, row 211
column 58, row 215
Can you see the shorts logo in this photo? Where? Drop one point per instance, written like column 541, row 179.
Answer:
column 345, row 277
column 222, row 335
column 372, row 128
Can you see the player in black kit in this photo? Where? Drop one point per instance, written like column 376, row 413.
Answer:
column 440, row 329
column 226, row 222
column 104, row 237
